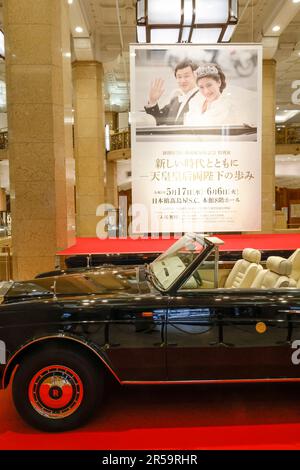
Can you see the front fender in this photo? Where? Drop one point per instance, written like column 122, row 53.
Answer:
column 34, row 344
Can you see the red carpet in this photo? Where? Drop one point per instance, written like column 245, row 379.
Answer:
column 148, row 245
column 255, row 416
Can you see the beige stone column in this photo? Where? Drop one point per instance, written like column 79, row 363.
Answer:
column 268, row 145
column 111, row 188
column 35, row 34
column 68, row 125
column 89, row 145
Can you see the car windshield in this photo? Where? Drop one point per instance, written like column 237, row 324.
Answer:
column 167, row 268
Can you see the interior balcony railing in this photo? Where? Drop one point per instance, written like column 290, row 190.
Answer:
column 120, row 140
column 284, row 135
column 3, row 139
column 287, row 134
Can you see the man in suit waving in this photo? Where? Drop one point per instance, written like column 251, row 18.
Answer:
column 173, row 113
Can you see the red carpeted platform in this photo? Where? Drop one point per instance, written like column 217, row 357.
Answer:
column 150, row 245
column 249, row 416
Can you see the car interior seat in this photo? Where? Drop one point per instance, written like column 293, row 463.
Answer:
column 276, row 275
column 295, row 260
column 245, row 270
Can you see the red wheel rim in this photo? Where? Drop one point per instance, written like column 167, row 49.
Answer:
column 55, row 392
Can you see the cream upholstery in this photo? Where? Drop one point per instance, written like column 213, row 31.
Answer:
column 295, row 260
column 245, row 270
column 276, row 274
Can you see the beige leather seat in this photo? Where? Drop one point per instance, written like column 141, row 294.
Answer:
column 295, row 260
column 276, row 274
column 245, row 270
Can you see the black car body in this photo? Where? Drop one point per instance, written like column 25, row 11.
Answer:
column 168, row 322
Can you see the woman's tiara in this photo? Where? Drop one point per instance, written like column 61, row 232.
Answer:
column 204, row 70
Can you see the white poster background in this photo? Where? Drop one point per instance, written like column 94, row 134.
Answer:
column 197, row 179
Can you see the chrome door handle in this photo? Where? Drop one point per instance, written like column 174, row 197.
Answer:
column 289, row 311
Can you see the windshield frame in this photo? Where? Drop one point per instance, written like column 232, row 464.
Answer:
column 208, row 247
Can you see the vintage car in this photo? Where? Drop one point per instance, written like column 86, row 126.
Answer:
column 184, row 318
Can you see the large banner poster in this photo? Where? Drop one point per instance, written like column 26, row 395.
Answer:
column 196, row 137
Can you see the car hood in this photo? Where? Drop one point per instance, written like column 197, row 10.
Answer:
column 105, row 281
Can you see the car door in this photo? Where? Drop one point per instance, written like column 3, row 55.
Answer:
column 256, row 333
column 193, row 336
column 135, row 342
column 226, row 334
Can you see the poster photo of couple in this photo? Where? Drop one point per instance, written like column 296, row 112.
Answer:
column 196, row 89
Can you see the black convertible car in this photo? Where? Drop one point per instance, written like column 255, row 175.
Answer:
column 184, row 318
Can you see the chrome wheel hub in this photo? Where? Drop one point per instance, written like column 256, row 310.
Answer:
column 55, row 392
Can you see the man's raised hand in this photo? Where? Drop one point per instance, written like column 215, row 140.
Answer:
column 156, row 91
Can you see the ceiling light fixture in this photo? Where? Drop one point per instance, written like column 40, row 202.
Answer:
column 276, row 28
column 79, row 29
column 186, row 21
column 70, row 2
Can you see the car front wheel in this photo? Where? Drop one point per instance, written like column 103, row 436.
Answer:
column 57, row 388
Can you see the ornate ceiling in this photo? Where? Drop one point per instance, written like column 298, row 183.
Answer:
column 111, row 38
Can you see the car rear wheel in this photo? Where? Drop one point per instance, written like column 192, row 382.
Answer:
column 57, row 388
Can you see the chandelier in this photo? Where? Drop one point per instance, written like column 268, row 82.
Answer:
column 185, row 21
